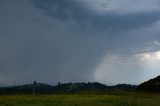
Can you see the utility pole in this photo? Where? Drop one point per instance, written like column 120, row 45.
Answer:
column 34, row 87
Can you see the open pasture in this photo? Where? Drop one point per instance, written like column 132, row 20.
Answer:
column 124, row 99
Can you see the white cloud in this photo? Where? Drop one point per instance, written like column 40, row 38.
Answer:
column 131, row 69
column 150, row 56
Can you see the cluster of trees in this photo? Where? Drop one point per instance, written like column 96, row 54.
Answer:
column 152, row 85
column 66, row 88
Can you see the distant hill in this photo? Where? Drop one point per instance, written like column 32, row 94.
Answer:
column 153, row 85
column 92, row 87
column 79, row 87
column 66, row 88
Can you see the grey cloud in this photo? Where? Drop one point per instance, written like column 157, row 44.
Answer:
column 106, row 22
column 123, row 6
column 61, row 9
column 120, row 23
column 62, row 40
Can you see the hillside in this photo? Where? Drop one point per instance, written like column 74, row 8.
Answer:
column 153, row 85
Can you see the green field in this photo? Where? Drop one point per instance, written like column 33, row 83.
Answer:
column 120, row 99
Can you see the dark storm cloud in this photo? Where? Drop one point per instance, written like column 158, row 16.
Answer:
column 64, row 40
column 32, row 52
column 61, row 9
column 109, row 21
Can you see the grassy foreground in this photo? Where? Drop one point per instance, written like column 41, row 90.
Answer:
column 123, row 99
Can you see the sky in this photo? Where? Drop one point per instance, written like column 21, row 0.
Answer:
column 106, row 41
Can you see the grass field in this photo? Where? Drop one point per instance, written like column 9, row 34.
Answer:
column 123, row 99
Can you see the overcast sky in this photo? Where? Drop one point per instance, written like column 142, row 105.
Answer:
column 107, row 41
